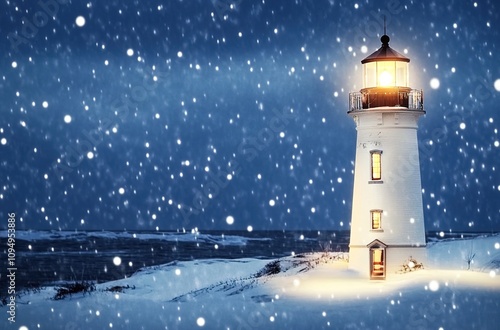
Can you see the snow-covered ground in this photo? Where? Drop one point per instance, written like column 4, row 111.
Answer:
column 312, row 291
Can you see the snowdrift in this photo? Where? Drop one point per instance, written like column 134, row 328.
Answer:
column 307, row 291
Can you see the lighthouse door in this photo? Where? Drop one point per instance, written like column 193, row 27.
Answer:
column 377, row 263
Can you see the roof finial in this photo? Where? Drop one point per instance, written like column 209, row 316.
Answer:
column 385, row 38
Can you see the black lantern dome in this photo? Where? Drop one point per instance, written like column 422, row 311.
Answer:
column 385, row 53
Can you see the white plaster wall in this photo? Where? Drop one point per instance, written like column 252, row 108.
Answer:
column 400, row 194
column 394, row 131
column 359, row 260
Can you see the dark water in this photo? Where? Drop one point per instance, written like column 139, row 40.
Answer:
column 45, row 261
column 48, row 260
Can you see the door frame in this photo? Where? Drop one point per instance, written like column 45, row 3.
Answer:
column 377, row 245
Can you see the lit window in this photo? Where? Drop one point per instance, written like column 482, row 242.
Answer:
column 376, row 219
column 376, row 156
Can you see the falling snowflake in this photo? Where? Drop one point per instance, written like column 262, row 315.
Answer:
column 434, row 83
column 80, row 21
column 117, row 261
column 200, row 322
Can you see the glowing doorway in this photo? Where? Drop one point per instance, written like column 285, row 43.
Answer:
column 377, row 263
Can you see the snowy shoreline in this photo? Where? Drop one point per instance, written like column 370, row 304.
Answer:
column 304, row 291
column 36, row 235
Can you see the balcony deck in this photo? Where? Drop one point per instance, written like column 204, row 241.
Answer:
column 412, row 99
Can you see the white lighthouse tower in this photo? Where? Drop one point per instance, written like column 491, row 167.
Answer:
column 387, row 224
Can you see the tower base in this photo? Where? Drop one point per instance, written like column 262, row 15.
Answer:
column 379, row 261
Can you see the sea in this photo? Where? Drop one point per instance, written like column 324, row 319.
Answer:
column 46, row 258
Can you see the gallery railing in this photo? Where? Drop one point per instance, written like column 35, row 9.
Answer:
column 412, row 99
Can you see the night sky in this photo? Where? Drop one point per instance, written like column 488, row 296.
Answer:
column 144, row 115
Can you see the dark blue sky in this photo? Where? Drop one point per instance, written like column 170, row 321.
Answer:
column 169, row 97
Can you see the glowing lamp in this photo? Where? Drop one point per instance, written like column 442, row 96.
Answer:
column 385, row 79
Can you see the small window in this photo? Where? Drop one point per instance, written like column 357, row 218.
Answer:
column 376, row 219
column 376, row 159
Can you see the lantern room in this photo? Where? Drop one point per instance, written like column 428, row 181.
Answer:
column 386, row 82
column 385, row 68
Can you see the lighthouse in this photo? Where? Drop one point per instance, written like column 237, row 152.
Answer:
column 387, row 223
